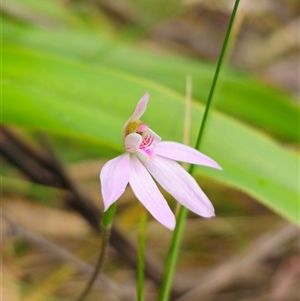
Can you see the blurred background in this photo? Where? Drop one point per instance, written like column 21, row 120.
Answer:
column 73, row 72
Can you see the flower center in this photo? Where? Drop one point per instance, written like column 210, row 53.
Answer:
column 135, row 127
column 140, row 140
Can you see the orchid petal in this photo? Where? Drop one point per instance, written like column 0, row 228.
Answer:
column 139, row 110
column 149, row 195
column 114, row 178
column 183, row 153
column 180, row 184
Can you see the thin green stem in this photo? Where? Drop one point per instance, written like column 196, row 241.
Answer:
column 215, row 79
column 106, row 226
column 174, row 248
column 141, row 255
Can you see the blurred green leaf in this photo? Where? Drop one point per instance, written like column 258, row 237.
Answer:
column 45, row 195
column 240, row 95
column 45, row 13
column 59, row 95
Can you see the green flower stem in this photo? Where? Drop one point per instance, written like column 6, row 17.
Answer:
column 215, row 79
column 106, row 226
column 141, row 255
column 108, row 216
column 174, row 248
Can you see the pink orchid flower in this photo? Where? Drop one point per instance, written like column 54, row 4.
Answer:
column 148, row 157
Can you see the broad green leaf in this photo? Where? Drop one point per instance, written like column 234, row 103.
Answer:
column 54, row 94
column 239, row 95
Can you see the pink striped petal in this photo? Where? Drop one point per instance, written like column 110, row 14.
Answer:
column 114, row 178
column 149, row 195
column 183, row 153
column 180, row 184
